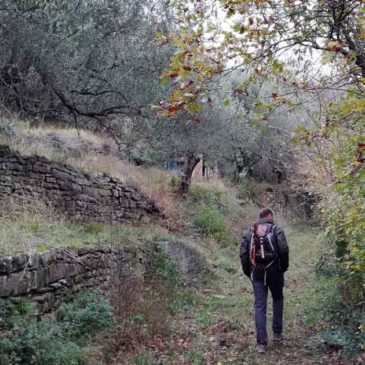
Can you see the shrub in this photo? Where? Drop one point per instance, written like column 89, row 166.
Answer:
column 162, row 267
column 208, row 194
column 56, row 341
column 175, row 181
column 213, row 223
column 344, row 322
column 144, row 305
column 86, row 315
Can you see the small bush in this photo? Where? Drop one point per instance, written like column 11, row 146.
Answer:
column 165, row 269
column 213, row 223
column 86, row 315
column 252, row 191
column 60, row 341
column 175, row 181
column 343, row 320
column 212, row 195
column 144, row 304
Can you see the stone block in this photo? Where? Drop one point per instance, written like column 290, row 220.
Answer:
column 61, row 175
column 19, row 262
column 76, row 187
column 104, row 192
column 5, row 265
column 132, row 204
column 15, row 284
column 41, row 168
column 135, row 196
column 51, row 179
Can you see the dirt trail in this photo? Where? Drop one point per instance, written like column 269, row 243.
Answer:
column 220, row 328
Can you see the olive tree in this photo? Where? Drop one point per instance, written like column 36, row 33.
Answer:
column 226, row 134
column 80, row 59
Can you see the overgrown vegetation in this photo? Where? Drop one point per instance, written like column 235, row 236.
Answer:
column 144, row 307
column 61, row 340
column 234, row 105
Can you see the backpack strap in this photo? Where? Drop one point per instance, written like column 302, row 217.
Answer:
column 253, row 247
column 272, row 230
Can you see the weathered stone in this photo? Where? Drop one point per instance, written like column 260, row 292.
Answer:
column 4, row 151
column 46, row 289
column 135, row 196
column 19, row 262
column 190, row 261
column 15, row 284
column 45, row 297
column 43, row 168
column 5, row 265
column 97, row 197
column 56, row 286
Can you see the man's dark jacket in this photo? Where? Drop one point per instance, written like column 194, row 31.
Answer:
column 280, row 265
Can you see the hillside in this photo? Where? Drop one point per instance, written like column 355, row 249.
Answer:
column 139, row 141
column 210, row 322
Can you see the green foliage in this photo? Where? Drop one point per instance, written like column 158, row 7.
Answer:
column 196, row 357
column 93, row 228
column 144, row 358
column 24, row 234
column 175, row 181
column 213, row 223
column 343, row 211
column 205, row 317
column 344, row 323
column 226, row 263
column 60, row 341
column 182, row 300
column 86, row 315
column 209, row 194
column 162, row 267
column 15, row 314
column 108, row 37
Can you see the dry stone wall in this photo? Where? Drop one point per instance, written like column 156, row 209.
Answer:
column 45, row 277
column 99, row 198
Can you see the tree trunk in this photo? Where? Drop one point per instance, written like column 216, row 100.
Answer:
column 190, row 164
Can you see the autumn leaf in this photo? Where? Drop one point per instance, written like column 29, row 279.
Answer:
column 240, row 91
column 334, row 46
column 173, row 74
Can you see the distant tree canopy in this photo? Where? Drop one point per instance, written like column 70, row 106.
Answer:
column 80, row 58
column 228, row 135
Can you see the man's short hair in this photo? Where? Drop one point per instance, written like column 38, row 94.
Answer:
column 264, row 213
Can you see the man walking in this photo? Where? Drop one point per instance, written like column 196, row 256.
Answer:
column 264, row 257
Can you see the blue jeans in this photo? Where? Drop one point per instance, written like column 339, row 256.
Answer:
column 275, row 285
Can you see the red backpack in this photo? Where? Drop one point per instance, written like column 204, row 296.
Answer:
column 262, row 248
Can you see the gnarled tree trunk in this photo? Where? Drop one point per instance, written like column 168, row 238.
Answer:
column 190, row 163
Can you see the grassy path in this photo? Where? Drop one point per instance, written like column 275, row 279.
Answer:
column 219, row 328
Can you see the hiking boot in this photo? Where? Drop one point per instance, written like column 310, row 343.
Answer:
column 261, row 349
column 277, row 337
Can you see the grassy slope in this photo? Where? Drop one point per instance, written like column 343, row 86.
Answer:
column 218, row 328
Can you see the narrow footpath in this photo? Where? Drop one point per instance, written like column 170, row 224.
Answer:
column 220, row 328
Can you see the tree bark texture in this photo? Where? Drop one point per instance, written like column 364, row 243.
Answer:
column 190, row 163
